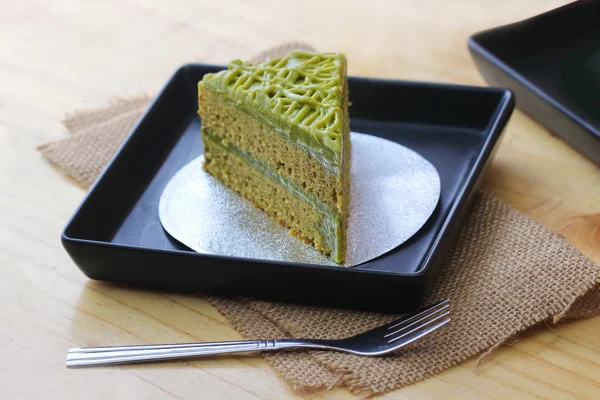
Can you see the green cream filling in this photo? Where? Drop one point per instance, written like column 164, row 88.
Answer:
column 330, row 223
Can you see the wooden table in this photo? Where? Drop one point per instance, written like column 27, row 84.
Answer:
column 58, row 56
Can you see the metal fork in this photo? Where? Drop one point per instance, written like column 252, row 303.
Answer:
column 378, row 341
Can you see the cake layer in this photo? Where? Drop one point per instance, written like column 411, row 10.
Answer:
column 303, row 214
column 232, row 124
column 299, row 96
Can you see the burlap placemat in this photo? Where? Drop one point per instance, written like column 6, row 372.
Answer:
column 505, row 274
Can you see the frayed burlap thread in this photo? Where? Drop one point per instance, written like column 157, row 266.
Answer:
column 504, row 274
column 96, row 137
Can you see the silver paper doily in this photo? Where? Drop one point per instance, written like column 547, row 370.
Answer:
column 393, row 193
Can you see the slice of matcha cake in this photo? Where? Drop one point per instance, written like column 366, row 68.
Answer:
column 278, row 134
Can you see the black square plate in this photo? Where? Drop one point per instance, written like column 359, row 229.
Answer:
column 116, row 234
column 552, row 64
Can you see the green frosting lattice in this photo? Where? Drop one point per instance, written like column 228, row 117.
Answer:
column 304, row 90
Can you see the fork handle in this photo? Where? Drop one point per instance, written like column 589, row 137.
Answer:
column 92, row 356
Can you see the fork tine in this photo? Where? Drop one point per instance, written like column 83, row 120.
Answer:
column 407, row 339
column 411, row 318
column 436, row 322
column 417, row 320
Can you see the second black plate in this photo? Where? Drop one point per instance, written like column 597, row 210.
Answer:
column 552, row 63
column 116, row 234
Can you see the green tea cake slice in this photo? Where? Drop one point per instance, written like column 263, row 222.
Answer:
column 278, row 133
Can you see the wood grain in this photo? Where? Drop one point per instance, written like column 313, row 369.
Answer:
column 58, row 56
